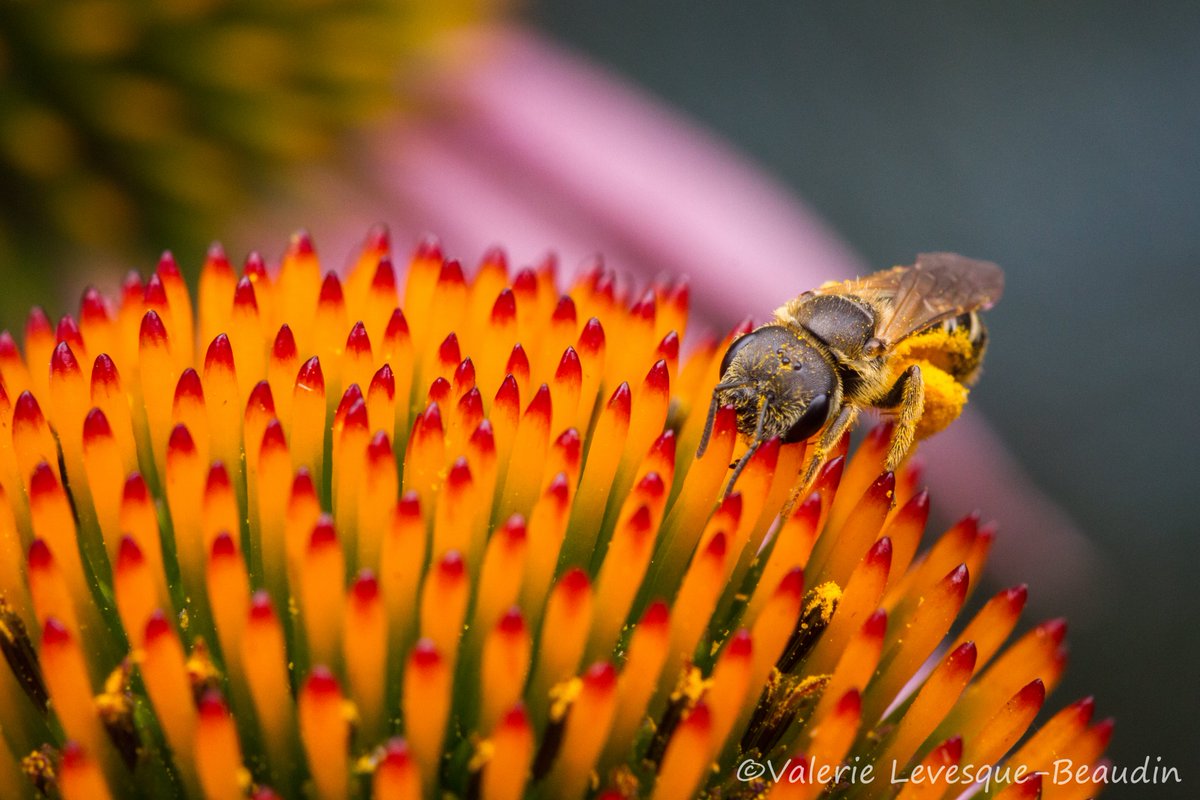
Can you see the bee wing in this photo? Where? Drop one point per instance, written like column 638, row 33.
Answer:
column 937, row 287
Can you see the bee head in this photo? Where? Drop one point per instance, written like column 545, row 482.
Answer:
column 779, row 385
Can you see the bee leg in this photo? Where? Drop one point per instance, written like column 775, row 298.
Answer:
column 909, row 391
column 821, row 450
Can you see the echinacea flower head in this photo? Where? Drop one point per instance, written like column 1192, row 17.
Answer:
column 409, row 534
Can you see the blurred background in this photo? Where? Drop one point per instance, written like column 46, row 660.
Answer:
column 761, row 148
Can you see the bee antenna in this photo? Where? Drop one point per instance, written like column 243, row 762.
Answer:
column 750, row 451
column 708, row 425
column 712, row 414
column 741, row 465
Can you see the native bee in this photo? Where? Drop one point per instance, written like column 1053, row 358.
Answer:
column 834, row 351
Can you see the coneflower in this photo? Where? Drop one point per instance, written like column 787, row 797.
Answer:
column 304, row 539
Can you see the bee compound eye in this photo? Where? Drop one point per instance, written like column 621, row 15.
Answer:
column 811, row 421
column 736, row 347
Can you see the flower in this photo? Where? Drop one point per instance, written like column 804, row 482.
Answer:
column 306, row 538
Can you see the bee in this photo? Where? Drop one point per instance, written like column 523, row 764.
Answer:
column 836, row 350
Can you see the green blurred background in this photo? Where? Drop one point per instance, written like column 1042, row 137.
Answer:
column 128, row 126
column 1061, row 140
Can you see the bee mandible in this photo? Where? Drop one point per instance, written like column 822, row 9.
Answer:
column 836, row 350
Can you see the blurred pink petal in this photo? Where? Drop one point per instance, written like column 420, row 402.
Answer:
column 538, row 149
column 560, row 152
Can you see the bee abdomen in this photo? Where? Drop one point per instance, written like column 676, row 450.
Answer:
column 969, row 321
column 966, row 368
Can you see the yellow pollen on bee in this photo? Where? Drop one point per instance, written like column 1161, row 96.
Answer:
column 932, row 351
